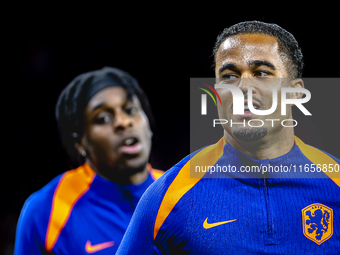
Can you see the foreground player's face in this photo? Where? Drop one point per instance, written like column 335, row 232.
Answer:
column 117, row 133
column 247, row 61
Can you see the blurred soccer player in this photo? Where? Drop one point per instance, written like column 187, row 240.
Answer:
column 104, row 123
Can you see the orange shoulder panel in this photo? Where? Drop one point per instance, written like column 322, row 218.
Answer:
column 72, row 185
column 319, row 158
column 155, row 173
column 184, row 182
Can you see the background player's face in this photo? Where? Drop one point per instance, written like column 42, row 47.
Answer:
column 117, row 133
column 248, row 61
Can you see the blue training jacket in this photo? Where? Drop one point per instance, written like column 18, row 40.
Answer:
column 292, row 206
column 78, row 212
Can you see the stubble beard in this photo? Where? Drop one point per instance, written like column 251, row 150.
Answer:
column 250, row 134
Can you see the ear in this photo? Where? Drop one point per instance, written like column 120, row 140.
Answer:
column 80, row 147
column 296, row 83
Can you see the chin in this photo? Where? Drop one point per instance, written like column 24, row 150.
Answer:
column 132, row 169
column 250, row 134
column 138, row 164
column 123, row 169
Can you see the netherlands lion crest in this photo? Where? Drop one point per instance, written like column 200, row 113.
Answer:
column 317, row 222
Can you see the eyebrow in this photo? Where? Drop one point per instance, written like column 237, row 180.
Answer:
column 101, row 105
column 228, row 66
column 254, row 63
column 107, row 108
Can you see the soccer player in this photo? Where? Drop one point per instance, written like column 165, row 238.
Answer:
column 245, row 212
column 104, row 122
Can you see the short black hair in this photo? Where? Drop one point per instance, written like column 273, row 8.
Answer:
column 72, row 101
column 287, row 43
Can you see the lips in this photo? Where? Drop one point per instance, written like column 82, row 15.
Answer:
column 246, row 107
column 247, row 112
column 131, row 145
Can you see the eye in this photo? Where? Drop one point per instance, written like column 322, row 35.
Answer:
column 107, row 119
column 103, row 119
column 261, row 73
column 131, row 110
column 229, row 76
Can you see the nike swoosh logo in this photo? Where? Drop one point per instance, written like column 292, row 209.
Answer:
column 97, row 247
column 207, row 225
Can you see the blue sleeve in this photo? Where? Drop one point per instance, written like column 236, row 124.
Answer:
column 30, row 233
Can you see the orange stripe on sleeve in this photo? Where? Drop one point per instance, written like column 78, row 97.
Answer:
column 183, row 182
column 319, row 158
column 72, row 185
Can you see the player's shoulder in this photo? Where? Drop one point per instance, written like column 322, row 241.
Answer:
column 168, row 176
column 37, row 203
column 39, row 200
column 72, row 181
column 155, row 173
column 156, row 191
column 322, row 152
column 330, row 155
column 35, row 213
column 313, row 153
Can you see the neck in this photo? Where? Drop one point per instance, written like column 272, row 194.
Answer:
column 120, row 177
column 138, row 178
column 269, row 147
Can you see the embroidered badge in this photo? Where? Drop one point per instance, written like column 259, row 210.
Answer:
column 317, row 222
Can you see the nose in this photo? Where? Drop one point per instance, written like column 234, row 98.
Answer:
column 121, row 122
column 245, row 84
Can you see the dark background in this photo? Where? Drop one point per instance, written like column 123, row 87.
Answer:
column 43, row 54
